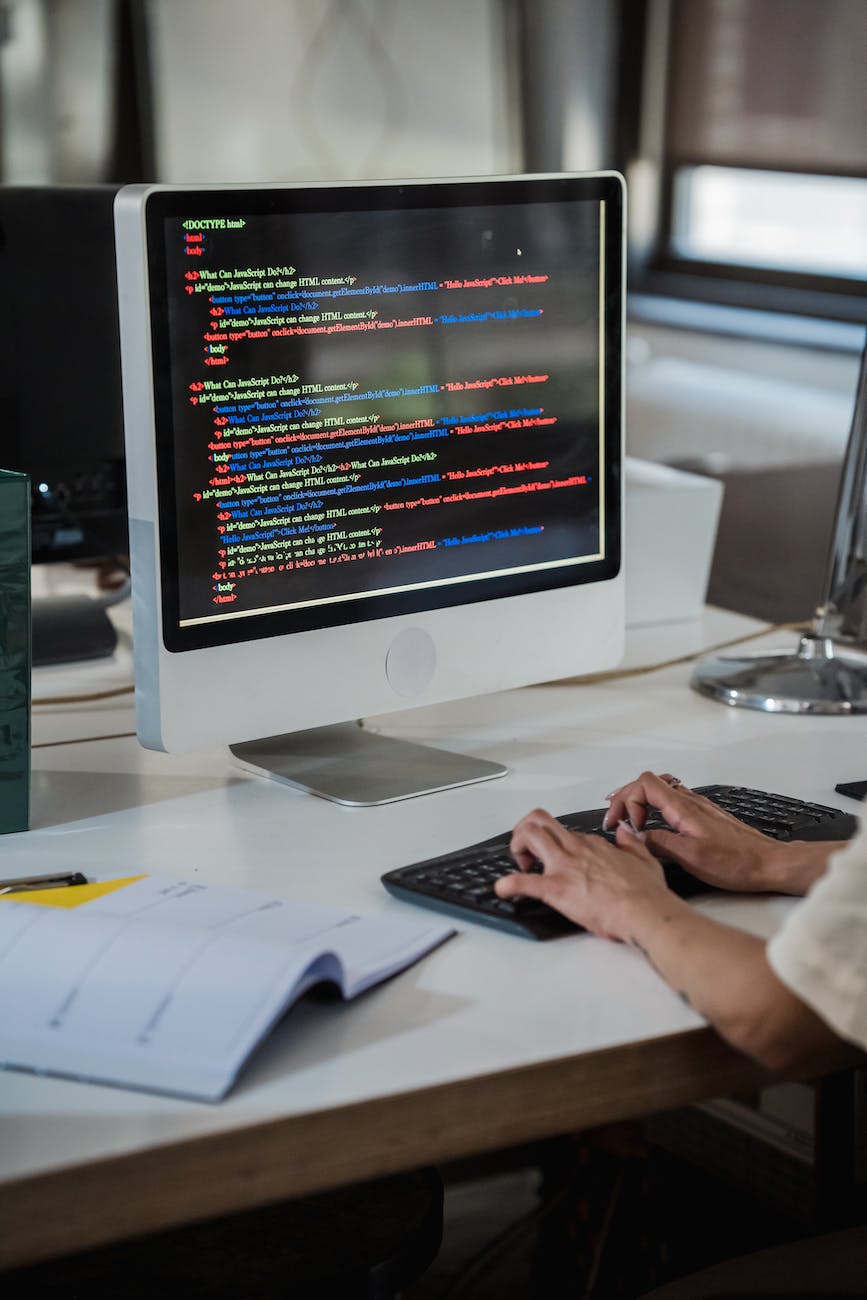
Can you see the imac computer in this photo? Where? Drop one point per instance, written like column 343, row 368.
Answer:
column 374, row 449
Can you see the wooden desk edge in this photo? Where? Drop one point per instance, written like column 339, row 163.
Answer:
column 82, row 1206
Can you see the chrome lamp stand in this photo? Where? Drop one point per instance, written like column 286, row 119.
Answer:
column 828, row 671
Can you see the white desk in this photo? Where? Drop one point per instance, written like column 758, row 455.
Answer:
column 491, row 1040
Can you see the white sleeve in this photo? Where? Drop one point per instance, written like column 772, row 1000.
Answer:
column 820, row 951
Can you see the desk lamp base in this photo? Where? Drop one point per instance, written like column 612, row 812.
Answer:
column 828, row 672
column 822, row 676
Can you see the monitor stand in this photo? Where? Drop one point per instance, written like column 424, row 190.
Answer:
column 359, row 768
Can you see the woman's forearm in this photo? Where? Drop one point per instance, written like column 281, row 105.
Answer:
column 724, row 974
column 620, row 891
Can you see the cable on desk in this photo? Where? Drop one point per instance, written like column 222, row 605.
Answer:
column 591, row 679
column 620, row 674
column 82, row 740
column 90, row 698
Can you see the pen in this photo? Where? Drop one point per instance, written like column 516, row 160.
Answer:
column 56, row 881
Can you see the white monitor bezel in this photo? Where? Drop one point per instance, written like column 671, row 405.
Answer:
column 331, row 674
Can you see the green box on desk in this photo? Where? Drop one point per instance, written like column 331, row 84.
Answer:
column 14, row 652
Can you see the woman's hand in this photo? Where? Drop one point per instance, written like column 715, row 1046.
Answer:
column 713, row 845
column 619, row 892
column 589, row 880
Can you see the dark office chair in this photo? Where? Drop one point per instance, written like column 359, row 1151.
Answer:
column 819, row 1268
column 366, row 1242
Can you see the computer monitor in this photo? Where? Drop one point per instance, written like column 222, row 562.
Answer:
column 61, row 415
column 374, row 447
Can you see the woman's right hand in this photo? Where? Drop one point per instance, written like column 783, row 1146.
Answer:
column 712, row 844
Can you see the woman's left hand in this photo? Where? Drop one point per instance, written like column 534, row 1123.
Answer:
column 589, row 880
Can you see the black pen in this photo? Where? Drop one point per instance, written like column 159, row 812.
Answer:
column 56, row 881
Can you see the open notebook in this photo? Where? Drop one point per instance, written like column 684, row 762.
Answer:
column 168, row 985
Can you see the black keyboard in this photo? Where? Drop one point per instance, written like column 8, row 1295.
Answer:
column 462, row 883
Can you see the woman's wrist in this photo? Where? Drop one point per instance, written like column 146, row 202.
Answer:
column 646, row 913
column 792, row 866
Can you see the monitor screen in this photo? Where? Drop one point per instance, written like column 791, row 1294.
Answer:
column 373, row 406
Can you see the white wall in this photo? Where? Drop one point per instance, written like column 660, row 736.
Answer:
column 298, row 89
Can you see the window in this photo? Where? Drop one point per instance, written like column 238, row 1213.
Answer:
column 780, row 220
column 748, row 153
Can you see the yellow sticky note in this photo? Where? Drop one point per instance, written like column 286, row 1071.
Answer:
column 70, row 895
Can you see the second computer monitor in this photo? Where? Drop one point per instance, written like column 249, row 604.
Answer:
column 374, row 445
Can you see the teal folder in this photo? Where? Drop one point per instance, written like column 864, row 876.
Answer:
column 14, row 652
